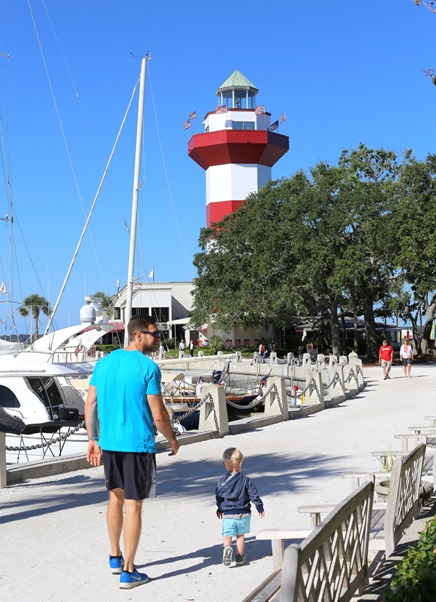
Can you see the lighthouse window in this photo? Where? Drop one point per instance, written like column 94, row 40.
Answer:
column 240, row 99
column 243, row 125
column 227, row 99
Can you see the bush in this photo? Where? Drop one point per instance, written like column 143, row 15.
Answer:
column 415, row 577
column 106, row 348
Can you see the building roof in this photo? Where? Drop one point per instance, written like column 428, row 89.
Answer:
column 237, row 81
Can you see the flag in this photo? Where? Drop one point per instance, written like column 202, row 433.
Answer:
column 151, row 274
column 193, row 115
column 187, row 125
column 274, row 126
column 282, row 117
column 228, row 123
column 3, row 289
column 221, row 109
column 259, row 110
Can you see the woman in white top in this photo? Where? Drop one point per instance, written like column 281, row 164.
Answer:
column 406, row 355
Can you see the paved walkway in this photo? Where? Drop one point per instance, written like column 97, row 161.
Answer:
column 53, row 535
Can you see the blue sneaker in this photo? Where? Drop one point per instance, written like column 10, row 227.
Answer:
column 116, row 564
column 129, row 580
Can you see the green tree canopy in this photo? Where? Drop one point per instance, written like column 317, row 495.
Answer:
column 313, row 246
column 417, row 245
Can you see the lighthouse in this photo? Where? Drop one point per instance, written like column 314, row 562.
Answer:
column 237, row 149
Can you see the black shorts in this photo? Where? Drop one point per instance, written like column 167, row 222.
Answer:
column 407, row 361
column 135, row 473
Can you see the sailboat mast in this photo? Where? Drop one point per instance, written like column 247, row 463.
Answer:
column 136, row 185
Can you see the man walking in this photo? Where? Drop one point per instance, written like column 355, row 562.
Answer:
column 385, row 357
column 123, row 402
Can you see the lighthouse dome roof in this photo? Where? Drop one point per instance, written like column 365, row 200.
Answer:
column 237, row 81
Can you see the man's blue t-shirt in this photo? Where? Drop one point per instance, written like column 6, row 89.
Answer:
column 123, row 380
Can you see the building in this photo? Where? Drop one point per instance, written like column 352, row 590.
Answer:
column 168, row 302
column 237, row 149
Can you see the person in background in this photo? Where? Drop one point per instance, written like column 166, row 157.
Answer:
column 262, row 351
column 406, row 355
column 385, row 356
column 123, row 402
column 191, row 348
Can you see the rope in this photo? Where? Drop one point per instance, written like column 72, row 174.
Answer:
column 336, row 379
column 312, row 383
column 351, row 375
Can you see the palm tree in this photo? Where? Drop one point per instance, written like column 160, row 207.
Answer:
column 35, row 304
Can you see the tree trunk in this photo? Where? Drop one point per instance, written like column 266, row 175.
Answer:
column 429, row 317
column 36, row 333
column 371, row 334
column 355, row 332
column 355, row 325
column 335, row 331
column 343, row 331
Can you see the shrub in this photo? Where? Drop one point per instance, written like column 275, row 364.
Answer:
column 106, row 348
column 415, row 577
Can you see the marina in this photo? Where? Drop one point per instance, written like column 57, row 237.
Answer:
column 237, row 389
column 293, row 463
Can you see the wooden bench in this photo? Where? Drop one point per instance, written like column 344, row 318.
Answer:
column 332, row 558
column 427, row 438
column 391, row 518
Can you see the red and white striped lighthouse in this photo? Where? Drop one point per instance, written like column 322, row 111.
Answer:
column 237, row 149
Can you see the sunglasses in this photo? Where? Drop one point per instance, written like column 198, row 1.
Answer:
column 155, row 334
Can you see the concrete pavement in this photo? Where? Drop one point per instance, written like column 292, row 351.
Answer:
column 53, row 532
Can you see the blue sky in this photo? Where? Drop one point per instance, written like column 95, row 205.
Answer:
column 344, row 72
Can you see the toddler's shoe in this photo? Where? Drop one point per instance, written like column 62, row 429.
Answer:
column 227, row 556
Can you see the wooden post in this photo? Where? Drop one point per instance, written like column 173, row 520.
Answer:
column 336, row 391
column 214, row 411
column 314, row 394
column 276, row 402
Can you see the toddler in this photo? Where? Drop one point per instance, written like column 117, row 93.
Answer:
column 233, row 494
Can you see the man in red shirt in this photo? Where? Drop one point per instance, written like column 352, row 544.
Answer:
column 385, row 357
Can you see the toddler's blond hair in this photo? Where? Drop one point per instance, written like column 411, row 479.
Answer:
column 232, row 456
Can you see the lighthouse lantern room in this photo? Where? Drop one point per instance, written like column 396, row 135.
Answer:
column 237, row 148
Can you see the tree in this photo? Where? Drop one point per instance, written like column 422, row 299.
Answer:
column 35, row 304
column 310, row 247
column 431, row 73
column 106, row 302
column 429, row 5
column 370, row 202
column 246, row 267
column 417, row 246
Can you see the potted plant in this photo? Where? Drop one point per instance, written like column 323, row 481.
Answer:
column 382, row 487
